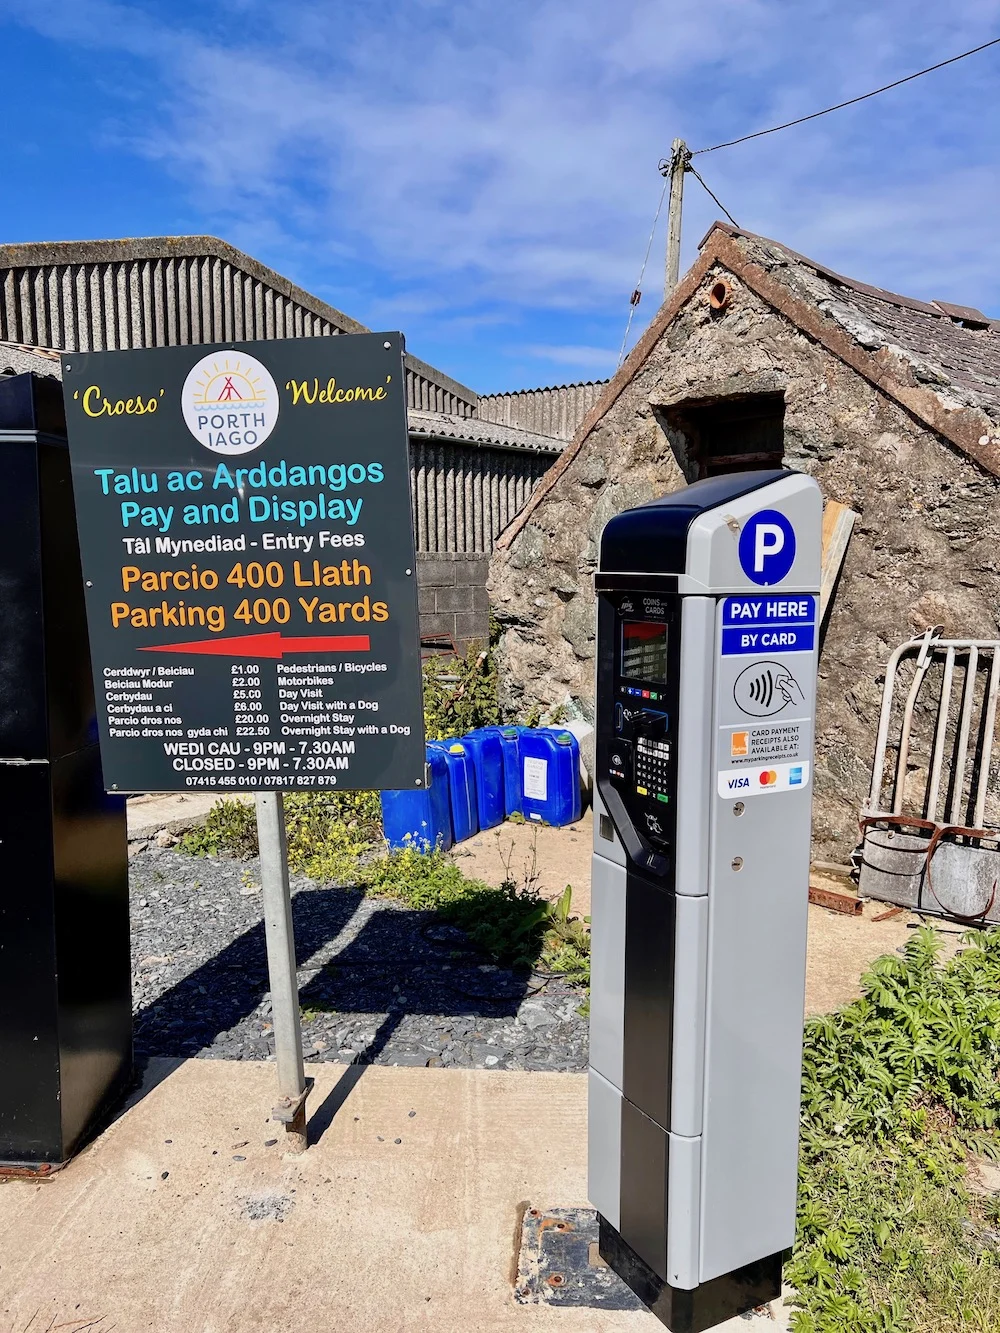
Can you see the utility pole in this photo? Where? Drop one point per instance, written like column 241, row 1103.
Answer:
column 680, row 156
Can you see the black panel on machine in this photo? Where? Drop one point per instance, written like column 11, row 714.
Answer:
column 638, row 646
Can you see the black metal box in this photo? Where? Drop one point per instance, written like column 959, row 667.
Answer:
column 65, row 979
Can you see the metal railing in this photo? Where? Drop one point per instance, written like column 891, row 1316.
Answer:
column 933, row 793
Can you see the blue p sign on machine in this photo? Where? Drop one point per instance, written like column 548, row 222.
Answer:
column 767, row 547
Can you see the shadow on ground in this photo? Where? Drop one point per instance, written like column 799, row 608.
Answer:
column 400, row 962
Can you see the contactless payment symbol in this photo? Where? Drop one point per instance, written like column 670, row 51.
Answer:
column 230, row 402
column 765, row 688
column 767, row 547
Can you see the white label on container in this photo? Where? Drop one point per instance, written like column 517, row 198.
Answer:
column 536, row 774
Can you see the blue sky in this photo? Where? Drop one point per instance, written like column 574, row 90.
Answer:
column 483, row 175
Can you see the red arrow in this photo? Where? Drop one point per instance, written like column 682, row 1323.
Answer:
column 267, row 645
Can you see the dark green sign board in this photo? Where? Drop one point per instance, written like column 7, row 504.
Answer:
column 244, row 516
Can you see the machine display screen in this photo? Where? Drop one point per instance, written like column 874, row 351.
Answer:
column 644, row 650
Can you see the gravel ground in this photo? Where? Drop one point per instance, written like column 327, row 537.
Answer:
column 378, row 982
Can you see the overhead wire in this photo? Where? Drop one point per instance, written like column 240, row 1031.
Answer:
column 715, row 199
column 851, row 101
column 759, row 134
column 637, row 289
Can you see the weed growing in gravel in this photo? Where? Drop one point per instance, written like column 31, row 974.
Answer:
column 511, row 924
column 327, row 832
column 898, row 1087
column 336, row 836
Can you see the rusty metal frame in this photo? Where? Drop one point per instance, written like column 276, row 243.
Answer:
column 939, row 821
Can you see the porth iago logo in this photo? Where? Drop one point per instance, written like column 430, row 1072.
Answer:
column 230, row 402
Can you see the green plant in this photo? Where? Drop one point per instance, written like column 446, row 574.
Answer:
column 897, row 1088
column 567, row 941
column 498, row 921
column 511, row 923
column 327, row 832
column 460, row 693
column 230, row 829
column 537, row 716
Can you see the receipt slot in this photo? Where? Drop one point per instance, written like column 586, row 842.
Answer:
column 706, row 680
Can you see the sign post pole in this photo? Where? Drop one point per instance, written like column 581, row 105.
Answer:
column 280, row 938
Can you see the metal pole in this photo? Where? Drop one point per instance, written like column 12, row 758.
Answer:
column 679, row 158
column 293, row 1085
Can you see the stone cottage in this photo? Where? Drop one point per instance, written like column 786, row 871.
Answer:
column 762, row 357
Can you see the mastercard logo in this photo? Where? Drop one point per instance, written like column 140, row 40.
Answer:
column 768, row 777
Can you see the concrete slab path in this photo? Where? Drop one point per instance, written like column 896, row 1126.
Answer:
column 401, row 1216
column 174, row 811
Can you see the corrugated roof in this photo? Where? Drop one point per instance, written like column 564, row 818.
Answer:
column 473, row 430
column 555, row 410
column 156, row 291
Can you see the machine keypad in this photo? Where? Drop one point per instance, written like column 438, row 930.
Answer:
column 652, row 766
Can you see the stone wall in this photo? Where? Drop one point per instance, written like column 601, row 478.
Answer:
column 925, row 550
column 453, row 596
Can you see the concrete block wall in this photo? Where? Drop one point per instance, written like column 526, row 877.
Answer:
column 453, row 597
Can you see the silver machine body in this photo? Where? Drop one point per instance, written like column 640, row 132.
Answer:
column 706, row 681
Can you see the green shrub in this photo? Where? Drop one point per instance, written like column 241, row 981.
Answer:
column 230, row 829
column 460, row 693
column 327, row 832
column 897, row 1088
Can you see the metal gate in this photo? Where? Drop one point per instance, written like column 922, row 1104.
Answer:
column 931, row 828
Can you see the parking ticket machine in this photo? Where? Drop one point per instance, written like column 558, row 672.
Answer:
column 706, row 678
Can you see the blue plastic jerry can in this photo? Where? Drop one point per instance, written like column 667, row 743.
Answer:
column 550, row 775
column 509, row 737
column 486, row 748
column 461, row 787
column 420, row 819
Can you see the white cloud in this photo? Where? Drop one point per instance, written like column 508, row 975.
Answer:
column 483, row 156
column 599, row 359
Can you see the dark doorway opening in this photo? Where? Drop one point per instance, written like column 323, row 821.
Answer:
column 712, row 436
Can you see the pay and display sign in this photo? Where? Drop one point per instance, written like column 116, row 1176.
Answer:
column 247, row 544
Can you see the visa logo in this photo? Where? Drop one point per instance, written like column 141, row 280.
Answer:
column 735, row 784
